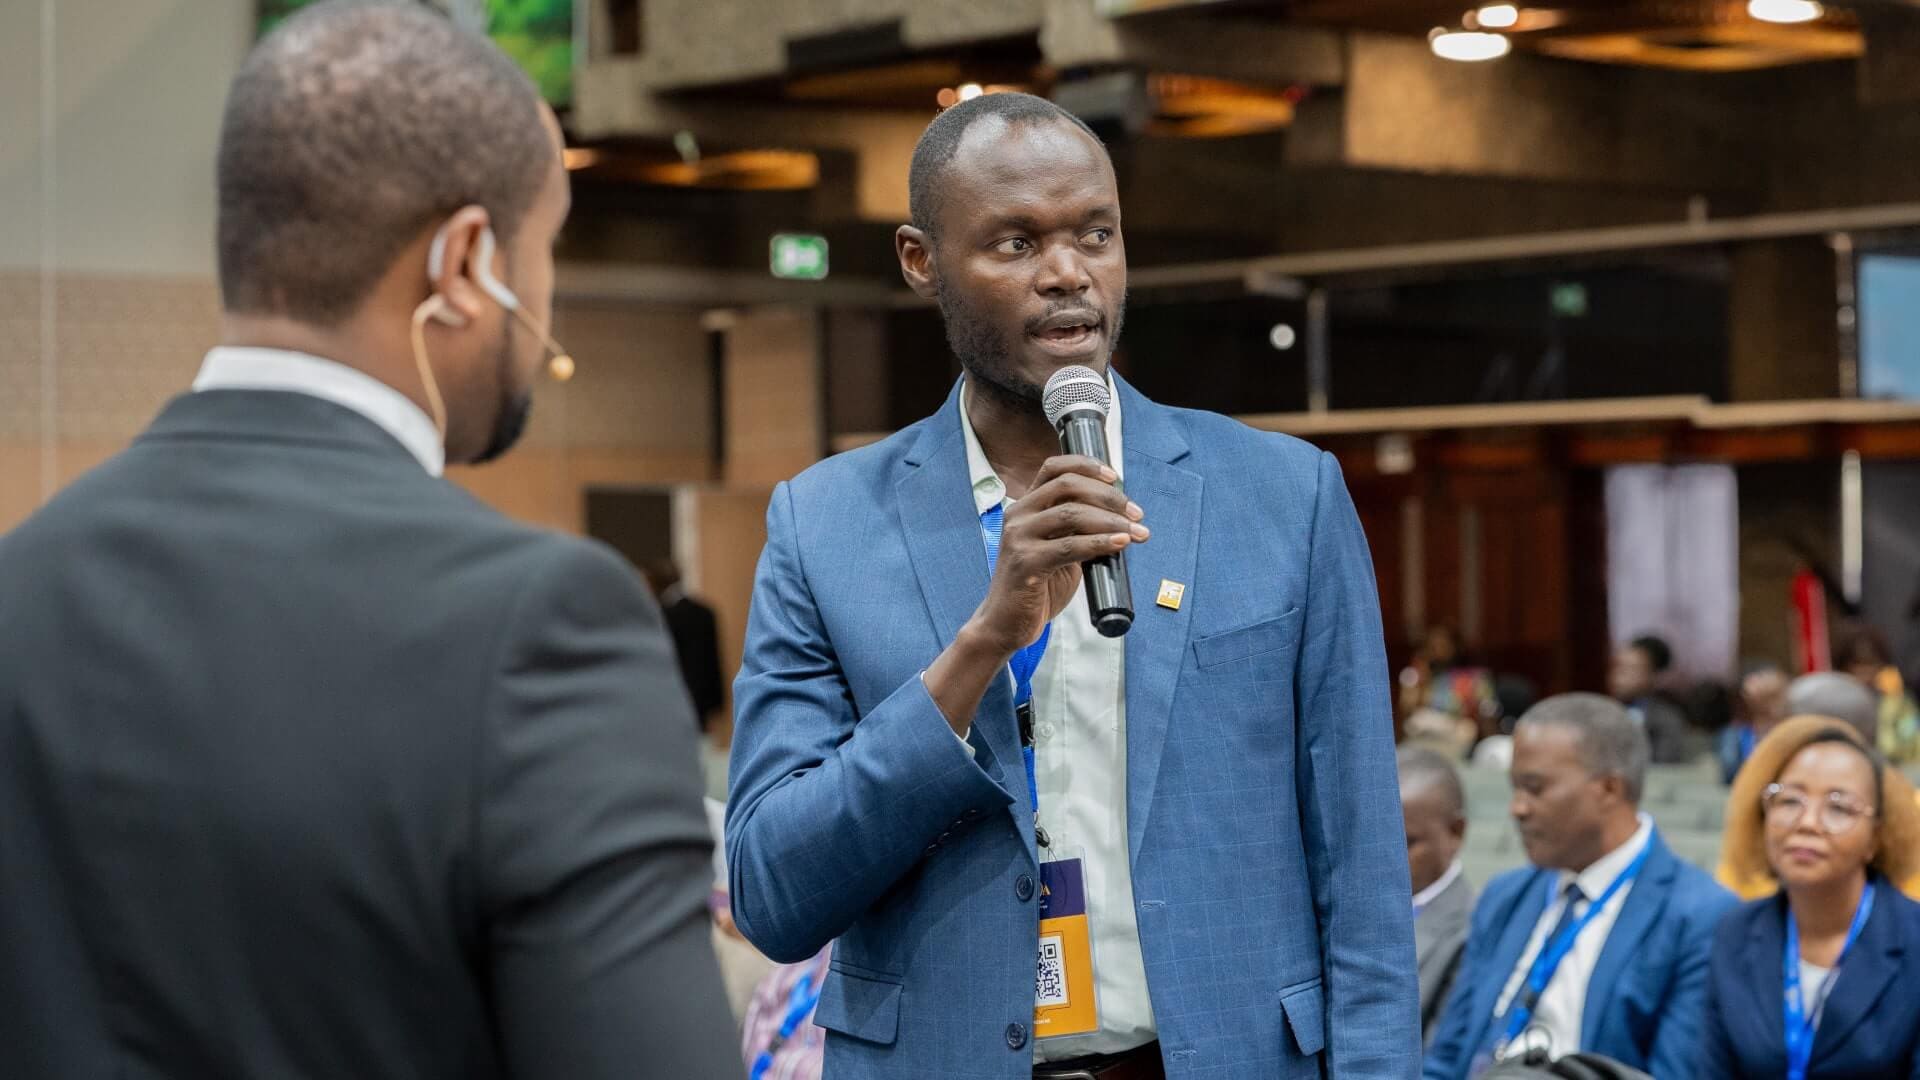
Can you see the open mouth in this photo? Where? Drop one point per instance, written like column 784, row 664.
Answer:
column 1069, row 334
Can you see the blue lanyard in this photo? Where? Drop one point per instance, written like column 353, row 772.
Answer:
column 1800, row 1024
column 1024, row 663
column 800, row 1005
column 1552, row 952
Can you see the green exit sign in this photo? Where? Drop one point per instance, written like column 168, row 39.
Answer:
column 801, row 256
column 1570, row 300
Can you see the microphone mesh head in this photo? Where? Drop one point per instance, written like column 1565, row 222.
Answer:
column 1075, row 387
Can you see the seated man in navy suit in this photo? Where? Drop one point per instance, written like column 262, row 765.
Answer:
column 1602, row 945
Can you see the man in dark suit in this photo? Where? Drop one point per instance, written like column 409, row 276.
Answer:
column 696, row 639
column 1434, row 807
column 1601, row 946
column 311, row 765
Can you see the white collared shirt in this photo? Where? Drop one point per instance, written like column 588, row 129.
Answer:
column 1432, row 892
column 230, row 368
column 1563, row 1004
column 1080, row 768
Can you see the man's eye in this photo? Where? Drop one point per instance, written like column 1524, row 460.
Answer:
column 1014, row 245
column 1100, row 237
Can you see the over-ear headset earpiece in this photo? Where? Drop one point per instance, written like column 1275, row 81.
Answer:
column 560, row 364
column 482, row 267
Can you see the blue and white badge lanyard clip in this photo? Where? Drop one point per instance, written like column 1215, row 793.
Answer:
column 1801, row 1022
column 1552, row 952
column 1022, row 666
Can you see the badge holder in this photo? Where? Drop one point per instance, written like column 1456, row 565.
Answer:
column 1063, row 999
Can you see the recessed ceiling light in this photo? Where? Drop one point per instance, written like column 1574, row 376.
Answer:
column 1497, row 17
column 1785, row 11
column 1467, row 46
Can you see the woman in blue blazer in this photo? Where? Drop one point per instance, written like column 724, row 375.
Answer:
column 1822, row 980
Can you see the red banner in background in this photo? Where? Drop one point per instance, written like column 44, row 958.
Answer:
column 1810, row 645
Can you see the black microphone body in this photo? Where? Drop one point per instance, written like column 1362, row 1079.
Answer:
column 1083, row 430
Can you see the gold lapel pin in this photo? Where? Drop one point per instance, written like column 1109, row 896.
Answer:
column 1171, row 593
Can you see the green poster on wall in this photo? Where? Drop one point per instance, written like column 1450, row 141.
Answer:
column 538, row 34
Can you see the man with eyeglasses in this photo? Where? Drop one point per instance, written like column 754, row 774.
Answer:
column 1601, row 947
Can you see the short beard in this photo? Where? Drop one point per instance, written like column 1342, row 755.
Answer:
column 984, row 353
column 510, row 419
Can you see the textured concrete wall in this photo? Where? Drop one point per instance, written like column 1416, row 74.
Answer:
column 135, row 90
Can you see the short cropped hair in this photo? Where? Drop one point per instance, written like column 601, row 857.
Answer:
column 1423, row 767
column 1838, row 696
column 1659, row 653
column 941, row 141
column 1611, row 743
column 349, row 129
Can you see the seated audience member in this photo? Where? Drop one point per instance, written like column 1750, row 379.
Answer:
column 1762, row 704
column 1818, row 981
column 1435, row 808
column 1602, row 946
column 1445, row 700
column 1840, row 697
column 1633, row 679
column 1862, row 652
column 1742, row 867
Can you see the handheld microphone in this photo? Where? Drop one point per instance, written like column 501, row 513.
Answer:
column 1076, row 401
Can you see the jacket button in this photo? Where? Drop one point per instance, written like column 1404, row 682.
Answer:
column 1016, row 1036
column 1023, row 888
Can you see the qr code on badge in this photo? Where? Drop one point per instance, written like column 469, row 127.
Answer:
column 1050, row 987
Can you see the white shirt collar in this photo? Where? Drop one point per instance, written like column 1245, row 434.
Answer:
column 1595, row 879
column 1432, row 892
column 988, row 491
column 229, row 368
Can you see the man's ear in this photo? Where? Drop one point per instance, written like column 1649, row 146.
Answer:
column 452, row 274
column 1616, row 786
column 915, row 250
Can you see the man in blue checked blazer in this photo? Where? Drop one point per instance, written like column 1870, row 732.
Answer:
column 1204, row 861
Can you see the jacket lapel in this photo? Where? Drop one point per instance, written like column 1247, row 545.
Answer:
column 942, row 531
column 1523, row 914
column 1156, row 647
column 1766, row 942
column 1638, row 912
column 1864, row 976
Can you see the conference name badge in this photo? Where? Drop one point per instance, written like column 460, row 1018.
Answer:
column 1063, row 986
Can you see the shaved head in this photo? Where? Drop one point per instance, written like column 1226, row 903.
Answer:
column 349, row 130
column 940, row 143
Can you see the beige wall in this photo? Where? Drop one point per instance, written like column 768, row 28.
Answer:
column 638, row 412
column 135, row 91
column 775, row 423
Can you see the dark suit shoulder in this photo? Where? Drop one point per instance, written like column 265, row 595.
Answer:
column 1696, row 892
column 1742, row 920
column 1507, row 887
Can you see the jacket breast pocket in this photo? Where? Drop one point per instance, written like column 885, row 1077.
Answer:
column 1270, row 636
column 859, row 1007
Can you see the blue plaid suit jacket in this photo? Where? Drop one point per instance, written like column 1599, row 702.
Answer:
column 1269, row 864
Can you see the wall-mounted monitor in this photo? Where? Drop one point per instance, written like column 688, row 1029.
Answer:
column 1889, row 295
column 538, row 34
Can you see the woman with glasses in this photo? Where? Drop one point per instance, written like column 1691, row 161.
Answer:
column 1820, row 981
